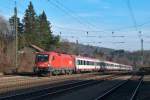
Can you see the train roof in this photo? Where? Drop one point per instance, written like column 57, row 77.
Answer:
column 116, row 63
column 87, row 58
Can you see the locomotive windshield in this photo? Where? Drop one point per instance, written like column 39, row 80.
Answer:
column 42, row 58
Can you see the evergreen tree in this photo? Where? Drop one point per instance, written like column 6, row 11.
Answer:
column 46, row 37
column 44, row 24
column 37, row 29
column 30, row 24
column 12, row 24
column 20, row 30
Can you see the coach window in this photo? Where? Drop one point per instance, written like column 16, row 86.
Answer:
column 87, row 62
column 98, row 64
column 107, row 65
column 78, row 62
column 92, row 63
column 81, row 62
column 84, row 62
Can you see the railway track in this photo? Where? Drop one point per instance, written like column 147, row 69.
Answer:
column 25, row 78
column 126, row 90
column 51, row 91
column 14, row 83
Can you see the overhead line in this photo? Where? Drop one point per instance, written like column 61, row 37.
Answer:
column 68, row 13
column 69, row 10
column 132, row 14
column 117, row 29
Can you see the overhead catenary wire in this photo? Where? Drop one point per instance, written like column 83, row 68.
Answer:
column 64, row 10
column 63, row 34
column 132, row 14
column 119, row 29
column 72, row 12
column 105, row 31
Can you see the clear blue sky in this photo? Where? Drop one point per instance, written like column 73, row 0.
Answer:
column 73, row 18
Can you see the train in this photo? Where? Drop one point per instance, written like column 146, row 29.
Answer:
column 54, row 63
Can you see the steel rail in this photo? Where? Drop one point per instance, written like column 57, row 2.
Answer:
column 79, row 84
column 20, row 79
column 69, row 88
column 118, row 85
column 111, row 90
column 29, row 83
column 136, row 90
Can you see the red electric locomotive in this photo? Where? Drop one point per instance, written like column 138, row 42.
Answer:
column 54, row 63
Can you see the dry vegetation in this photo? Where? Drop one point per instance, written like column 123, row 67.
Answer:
column 6, row 46
column 7, row 51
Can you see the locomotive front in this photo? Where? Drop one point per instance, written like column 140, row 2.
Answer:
column 42, row 63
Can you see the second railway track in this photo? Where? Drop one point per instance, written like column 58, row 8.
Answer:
column 126, row 90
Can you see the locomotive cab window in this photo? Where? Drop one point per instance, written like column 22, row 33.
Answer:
column 42, row 57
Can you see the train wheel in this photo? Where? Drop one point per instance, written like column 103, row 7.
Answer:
column 55, row 72
column 49, row 74
column 69, row 72
column 63, row 72
column 78, row 72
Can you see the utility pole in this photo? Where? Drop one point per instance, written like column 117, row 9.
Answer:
column 60, row 34
column 142, row 53
column 77, row 43
column 142, row 49
column 16, row 35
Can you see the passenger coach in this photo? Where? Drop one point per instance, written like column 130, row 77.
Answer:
column 87, row 64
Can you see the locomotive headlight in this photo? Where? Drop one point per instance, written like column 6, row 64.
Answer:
column 48, row 65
